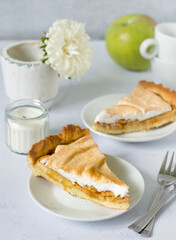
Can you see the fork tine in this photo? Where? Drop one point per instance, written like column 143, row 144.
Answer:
column 162, row 169
column 170, row 164
column 174, row 171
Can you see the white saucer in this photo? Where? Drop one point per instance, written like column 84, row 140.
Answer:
column 58, row 202
column 94, row 107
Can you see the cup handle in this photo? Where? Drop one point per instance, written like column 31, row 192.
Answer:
column 145, row 45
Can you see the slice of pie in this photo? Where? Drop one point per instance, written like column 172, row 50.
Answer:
column 148, row 106
column 72, row 161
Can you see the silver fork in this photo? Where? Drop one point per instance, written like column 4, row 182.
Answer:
column 165, row 178
column 144, row 220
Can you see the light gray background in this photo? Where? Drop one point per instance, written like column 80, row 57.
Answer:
column 27, row 19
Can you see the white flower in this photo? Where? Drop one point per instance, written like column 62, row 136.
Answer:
column 67, row 49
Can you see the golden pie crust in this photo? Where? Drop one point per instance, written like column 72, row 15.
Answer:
column 127, row 126
column 47, row 148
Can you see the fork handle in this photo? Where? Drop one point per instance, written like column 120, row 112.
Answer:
column 144, row 220
column 148, row 229
column 136, row 225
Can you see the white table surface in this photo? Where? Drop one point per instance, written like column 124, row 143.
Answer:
column 22, row 219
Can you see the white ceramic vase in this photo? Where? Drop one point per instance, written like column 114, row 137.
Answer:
column 25, row 76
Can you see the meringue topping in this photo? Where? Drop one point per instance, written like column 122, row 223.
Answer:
column 144, row 100
column 140, row 105
column 82, row 162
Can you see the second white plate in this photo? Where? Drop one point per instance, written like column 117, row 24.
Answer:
column 91, row 110
column 58, row 202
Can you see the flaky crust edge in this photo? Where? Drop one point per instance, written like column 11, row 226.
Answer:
column 165, row 93
column 47, row 146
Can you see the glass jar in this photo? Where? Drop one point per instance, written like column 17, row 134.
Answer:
column 27, row 122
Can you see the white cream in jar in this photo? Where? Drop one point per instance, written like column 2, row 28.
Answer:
column 26, row 123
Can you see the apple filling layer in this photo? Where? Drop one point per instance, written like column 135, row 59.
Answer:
column 66, row 183
column 111, row 188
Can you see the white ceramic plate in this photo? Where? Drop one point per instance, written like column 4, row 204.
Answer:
column 60, row 203
column 94, row 107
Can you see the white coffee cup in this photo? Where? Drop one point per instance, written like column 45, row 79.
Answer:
column 164, row 44
column 164, row 71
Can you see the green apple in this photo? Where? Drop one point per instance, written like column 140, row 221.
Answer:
column 123, row 39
